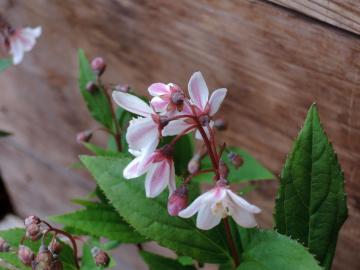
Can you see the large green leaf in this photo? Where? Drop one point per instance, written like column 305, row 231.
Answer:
column 250, row 170
column 100, row 220
column 97, row 101
column 269, row 250
column 4, row 64
column 150, row 217
column 156, row 262
column 311, row 205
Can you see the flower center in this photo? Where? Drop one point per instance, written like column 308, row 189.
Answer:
column 219, row 210
column 204, row 120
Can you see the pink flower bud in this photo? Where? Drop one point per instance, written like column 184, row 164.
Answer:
column 25, row 255
column 194, row 164
column 84, row 136
column 91, row 87
column 122, row 88
column 220, row 124
column 4, row 246
column 55, row 246
column 33, row 232
column 32, row 220
column 98, row 65
column 235, row 159
column 223, row 169
column 43, row 260
column 101, row 257
column 178, row 201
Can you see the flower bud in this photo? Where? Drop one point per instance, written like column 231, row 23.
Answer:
column 100, row 256
column 91, row 87
column 55, row 247
column 84, row 136
column 122, row 88
column 32, row 220
column 4, row 246
column 33, row 232
column 98, row 65
column 43, row 260
column 220, row 124
column 194, row 164
column 25, row 255
column 235, row 159
column 223, row 169
column 178, row 201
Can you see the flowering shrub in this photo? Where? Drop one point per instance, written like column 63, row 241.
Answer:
column 149, row 186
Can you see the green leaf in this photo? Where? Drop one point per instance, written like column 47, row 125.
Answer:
column 150, row 217
column 250, row 170
column 311, row 205
column 5, row 64
column 4, row 133
column 184, row 150
column 100, row 220
column 97, row 102
column 99, row 151
column 270, row 250
column 157, row 262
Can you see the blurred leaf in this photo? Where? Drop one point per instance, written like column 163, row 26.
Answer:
column 99, row 151
column 157, row 262
column 4, row 133
column 5, row 64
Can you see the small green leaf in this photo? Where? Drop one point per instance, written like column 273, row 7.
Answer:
column 5, row 64
column 4, row 133
column 157, row 262
column 150, row 217
column 97, row 102
column 268, row 250
column 250, row 170
column 99, row 151
column 100, row 220
column 311, row 205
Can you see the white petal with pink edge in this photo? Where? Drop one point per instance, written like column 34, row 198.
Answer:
column 206, row 220
column 198, row 90
column 176, row 127
column 159, row 104
column 132, row 103
column 158, row 89
column 216, row 100
column 141, row 133
column 157, row 178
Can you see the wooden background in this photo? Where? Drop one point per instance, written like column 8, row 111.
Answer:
column 275, row 62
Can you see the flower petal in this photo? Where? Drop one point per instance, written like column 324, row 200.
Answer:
column 158, row 89
column 216, row 99
column 198, row 90
column 193, row 207
column 240, row 202
column 206, row 220
column 132, row 169
column 28, row 36
column 175, row 127
column 243, row 217
column 132, row 103
column 159, row 104
column 17, row 51
column 172, row 181
column 157, row 179
column 141, row 133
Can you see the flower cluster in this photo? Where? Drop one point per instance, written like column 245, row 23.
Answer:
column 172, row 112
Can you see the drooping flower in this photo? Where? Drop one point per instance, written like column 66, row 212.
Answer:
column 219, row 203
column 21, row 40
column 159, row 169
column 144, row 130
column 202, row 107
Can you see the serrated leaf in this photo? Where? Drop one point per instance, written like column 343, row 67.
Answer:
column 97, row 101
column 100, row 220
column 150, row 217
column 271, row 250
column 157, row 262
column 311, row 205
column 5, row 64
column 250, row 170
column 4, row 133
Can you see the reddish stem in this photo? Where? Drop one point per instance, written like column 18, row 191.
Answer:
column 182, row 134
column 188, row 179
column 230, row 241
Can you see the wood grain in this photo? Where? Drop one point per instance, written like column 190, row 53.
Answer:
column 340, row 13
column 275, row 63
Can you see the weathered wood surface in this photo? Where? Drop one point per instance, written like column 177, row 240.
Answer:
column 274, row 62
column 340, row 13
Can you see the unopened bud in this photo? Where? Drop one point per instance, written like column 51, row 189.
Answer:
column 26, row 255
column 84, row 136
column 32, row 220
column 100, row 256
column 235, row 159
column 223, row 169
column 98, row 65
column 125, row 88
column 55, row 247
column 220, row 124
column 194, row 164
column 43, row 260
column 33, row 232
column 91, row 87
column 178, row 201
column 4, row 246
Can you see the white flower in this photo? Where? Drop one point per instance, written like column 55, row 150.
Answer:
column 219, row 203
column 22, row 40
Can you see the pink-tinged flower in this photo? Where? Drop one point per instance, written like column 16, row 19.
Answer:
column 203, row 107
column 144, row 130
column 159, row 169
column 22, row 40
column 219, row 203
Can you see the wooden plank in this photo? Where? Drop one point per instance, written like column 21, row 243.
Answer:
column 344, row 14
column 275, row 63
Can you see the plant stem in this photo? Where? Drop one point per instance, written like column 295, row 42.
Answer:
column 231, row 243
column 188, row 179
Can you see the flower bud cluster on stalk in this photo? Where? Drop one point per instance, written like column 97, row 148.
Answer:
column 172, row 112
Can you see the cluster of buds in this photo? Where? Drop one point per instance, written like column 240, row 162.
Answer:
column 33, row 228
column 47, row 259
column 101, row 257
column 4, row 246
column 172, row 112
